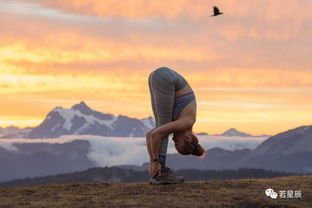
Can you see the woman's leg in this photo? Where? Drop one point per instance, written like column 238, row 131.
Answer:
column 153, row 104
column 162, row 91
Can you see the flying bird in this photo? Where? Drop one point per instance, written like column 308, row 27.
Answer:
column 216, row 11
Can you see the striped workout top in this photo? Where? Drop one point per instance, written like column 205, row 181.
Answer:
column 180, row 102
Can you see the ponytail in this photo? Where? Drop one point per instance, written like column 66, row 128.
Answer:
column 193, row 148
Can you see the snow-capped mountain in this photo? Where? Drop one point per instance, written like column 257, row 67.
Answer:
column 81, row 119
column 202, row 134
column 234, row 132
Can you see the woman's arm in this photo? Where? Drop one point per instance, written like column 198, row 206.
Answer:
column 174, row 126
column 166, row 129
column 154, row 145
column 155, row 141
column 152, row 167
column 148, row 144
column 154, row 137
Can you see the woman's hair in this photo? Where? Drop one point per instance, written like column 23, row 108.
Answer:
column 192, row 148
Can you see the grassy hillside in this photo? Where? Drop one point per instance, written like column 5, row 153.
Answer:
column 116, row 174
column 247, row 193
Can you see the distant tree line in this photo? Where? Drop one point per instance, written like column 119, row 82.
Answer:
column 195, row 175
column 117, row 174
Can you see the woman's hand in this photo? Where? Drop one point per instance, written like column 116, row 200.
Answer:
column 150, row 168
column 155, row 169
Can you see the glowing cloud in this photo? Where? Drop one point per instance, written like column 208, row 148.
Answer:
column 249, row 68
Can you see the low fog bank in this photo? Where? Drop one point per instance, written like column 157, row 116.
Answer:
column 111, row 151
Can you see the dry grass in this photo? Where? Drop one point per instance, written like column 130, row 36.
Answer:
column 247, row 193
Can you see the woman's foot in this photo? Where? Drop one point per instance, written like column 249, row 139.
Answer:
column 167, row 171
column 166, row 177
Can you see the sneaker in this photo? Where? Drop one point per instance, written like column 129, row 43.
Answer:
column 167, row 171
column 166, row 177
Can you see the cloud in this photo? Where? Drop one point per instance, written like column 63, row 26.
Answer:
column 132, row 8
column 110, row 151
column 261, row 20
column 264, row 9
column 255, row 37
column 102, row 51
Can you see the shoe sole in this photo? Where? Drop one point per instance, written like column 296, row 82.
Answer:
column 155, row 182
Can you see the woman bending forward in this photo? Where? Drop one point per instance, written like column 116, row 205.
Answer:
column 174, row 108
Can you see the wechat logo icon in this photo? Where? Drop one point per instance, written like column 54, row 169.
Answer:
column 271, row 193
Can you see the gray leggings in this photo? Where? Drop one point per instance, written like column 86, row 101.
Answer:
column 163, row 83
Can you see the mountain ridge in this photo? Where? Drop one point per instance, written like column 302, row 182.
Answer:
column 81, row 119
column 235, row 132
column 288, row 151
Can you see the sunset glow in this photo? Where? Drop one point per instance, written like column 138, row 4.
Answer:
column 250, row 68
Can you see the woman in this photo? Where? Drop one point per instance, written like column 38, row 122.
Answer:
column 174, row 107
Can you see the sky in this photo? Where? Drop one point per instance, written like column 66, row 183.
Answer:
column 249, row 68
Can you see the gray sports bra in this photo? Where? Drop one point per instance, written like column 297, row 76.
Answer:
column 180, row 102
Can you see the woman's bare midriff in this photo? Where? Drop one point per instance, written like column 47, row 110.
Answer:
column 183, row 90
column 190, row 109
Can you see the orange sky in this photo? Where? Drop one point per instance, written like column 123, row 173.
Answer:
column 249, row 68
